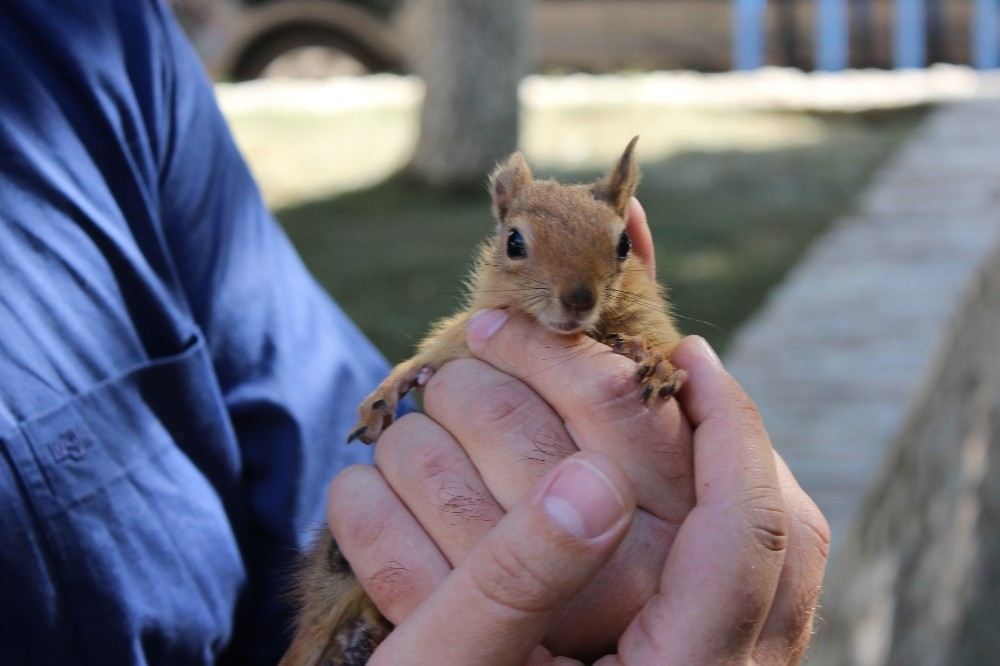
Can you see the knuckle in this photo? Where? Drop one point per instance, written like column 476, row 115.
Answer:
column 399, row 435
column 549, row 442
column 344, row 489
column 391, row 586
column 362, row 529
column 452, row 383
column 430, row 460
column 459, row 502
column 359, row 519
column 767, row 519
column 816, row 528
column 500, row 403
column 415, row 447
column 504, row 578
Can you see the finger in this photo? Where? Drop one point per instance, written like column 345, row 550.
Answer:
column 511, row 435
column 393, row 558
column 433, row 476
column 722, row 571
column 592, row 624
column 727, row 421
column 514, row 438
column 509, row 590
column 639, row 234
column 595, row 392
column 788, row 629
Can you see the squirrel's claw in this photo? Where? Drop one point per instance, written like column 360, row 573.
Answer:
column 378, row 410
column 663, row 379
column 655, row 372
column 373, row 417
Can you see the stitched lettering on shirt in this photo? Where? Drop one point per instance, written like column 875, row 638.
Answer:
column 70, row 446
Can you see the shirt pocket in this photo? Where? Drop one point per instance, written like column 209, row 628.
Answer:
column 127, row 482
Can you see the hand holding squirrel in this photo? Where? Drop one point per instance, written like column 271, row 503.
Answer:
column 486, row 571
column 562, row 256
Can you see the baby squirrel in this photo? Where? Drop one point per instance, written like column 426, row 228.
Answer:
column 561, row 254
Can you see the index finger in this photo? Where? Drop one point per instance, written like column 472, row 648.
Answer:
column 722, row 571
column 596, row 394
column 511, row 588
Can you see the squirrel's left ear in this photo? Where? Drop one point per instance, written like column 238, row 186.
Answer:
column 619, row 185
column 507, row 182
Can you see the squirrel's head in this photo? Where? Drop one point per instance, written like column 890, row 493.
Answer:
column 560, row 249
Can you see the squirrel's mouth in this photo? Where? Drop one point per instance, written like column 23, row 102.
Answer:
column 565, row 323
column 566, row 327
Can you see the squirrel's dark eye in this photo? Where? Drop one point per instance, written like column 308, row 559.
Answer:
column 624, row 245
column 516, row 248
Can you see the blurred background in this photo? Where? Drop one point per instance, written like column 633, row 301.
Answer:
column 822, row 178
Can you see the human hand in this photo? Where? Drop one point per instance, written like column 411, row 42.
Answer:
column 444, row 480
column 743, row 576
column 740, row 583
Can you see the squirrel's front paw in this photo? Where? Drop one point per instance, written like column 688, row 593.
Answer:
column 378, row 410
column 659, row 377
column 656, row 374
column 374, row 415
column 629, row 346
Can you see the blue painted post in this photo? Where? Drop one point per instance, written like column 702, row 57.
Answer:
column 748, row 33
column 910, row 34
column 832, row 38
column 986, row 34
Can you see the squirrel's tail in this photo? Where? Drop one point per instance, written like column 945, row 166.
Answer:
column 337, row 624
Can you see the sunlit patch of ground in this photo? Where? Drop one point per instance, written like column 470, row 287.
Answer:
column 733, row 195
column 308, row 139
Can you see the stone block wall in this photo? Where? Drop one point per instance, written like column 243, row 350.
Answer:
column 917, row 577
column 876, row 365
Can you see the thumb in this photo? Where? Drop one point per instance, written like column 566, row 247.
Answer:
column 507, row 594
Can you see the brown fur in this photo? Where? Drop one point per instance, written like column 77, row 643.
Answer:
column 571, row 233
column 337, row 622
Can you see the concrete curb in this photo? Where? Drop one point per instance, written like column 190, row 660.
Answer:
column 839, row 353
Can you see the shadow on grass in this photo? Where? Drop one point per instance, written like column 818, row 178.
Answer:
column 727, row 225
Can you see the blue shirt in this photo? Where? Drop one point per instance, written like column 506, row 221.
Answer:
column 175, row 389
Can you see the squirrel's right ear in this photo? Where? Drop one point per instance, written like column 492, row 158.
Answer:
column 507, row 182
column 618, row 186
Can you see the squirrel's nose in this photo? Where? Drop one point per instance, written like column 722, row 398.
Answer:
column 579, row 300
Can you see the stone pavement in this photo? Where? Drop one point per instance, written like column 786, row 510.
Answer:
column 843, row 347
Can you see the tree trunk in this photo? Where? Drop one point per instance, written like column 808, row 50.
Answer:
column 471, row 56
column 789, row 32
column 863, row 33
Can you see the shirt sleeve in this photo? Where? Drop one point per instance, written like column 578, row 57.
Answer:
column 291, row 367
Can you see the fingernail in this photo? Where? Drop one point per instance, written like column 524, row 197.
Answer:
column 485, row 323
column 707, row 350
column 583, row 501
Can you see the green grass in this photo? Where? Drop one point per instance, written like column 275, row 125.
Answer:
column 728, row 224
